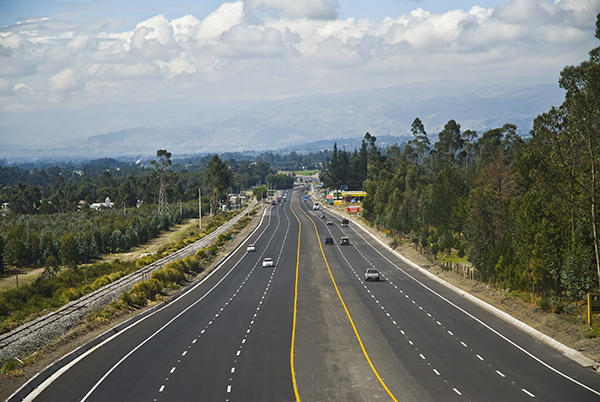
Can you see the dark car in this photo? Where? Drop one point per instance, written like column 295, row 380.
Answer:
column 329, row 240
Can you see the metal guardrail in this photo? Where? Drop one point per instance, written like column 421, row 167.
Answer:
column 117, row 287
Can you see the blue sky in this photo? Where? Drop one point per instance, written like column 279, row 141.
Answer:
column 72, row 69
column 11, row 11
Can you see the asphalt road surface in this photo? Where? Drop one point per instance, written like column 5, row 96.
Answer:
column 310, row 328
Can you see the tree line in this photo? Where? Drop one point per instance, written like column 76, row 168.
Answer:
column 50, row 222
column 524, row 211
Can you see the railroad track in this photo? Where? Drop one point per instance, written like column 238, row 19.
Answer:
column 85, row 304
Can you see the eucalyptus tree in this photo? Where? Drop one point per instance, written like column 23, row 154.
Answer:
column 420, row 143
column 217, row 178
column 566, row 151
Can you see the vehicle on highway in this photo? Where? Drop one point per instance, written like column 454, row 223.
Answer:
column 250, row 247
column 371, row 274
column 268, row 262
column 329, row 240
column 329, row 222
column 344, row 241
column 316, row 206
column 344, row 222
column 322, row 216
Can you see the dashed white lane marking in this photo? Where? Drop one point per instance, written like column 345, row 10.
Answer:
column 414, row 303
column 232, row 370
column 221, row 310
column 528, row 393
column 229, row 389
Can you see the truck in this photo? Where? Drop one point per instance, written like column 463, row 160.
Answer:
column 344, row 222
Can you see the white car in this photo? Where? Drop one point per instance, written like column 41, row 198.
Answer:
column 371, row 274
column 268, row 262
column 316, row 206
column 250, row 247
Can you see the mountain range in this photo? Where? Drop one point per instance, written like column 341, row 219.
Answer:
column 315, row 122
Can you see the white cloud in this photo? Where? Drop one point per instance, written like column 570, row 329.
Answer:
column 223, row 19
column 159, row 28
column 22, row 87
column 63, row 81
column 241, row 51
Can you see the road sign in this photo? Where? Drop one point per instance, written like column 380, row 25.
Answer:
column 593, row 305
column 344, row 187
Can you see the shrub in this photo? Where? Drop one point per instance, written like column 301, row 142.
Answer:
column 100, row 282
column 558, row 308
column 9, row 366
column 143, row 291
column 202, row 254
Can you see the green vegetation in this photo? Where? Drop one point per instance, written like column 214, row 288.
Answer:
column 523, row 211
column 51, row 224
column 48, row 293
column 56, row 288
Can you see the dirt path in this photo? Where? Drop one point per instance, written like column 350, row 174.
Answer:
column 27, row 276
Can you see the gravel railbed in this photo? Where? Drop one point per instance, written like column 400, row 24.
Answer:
column 33, row 335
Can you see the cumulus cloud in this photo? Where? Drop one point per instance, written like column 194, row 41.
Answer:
column 241, row 49
column 224, row 18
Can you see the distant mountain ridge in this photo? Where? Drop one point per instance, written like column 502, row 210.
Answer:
column 308, row 122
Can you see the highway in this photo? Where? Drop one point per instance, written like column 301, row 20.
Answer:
column 312, row 329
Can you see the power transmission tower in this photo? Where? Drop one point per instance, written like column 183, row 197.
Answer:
column 161, row 167
column 163, row 201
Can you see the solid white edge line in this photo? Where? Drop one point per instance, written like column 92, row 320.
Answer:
column 565, row 350
column 40, row 388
